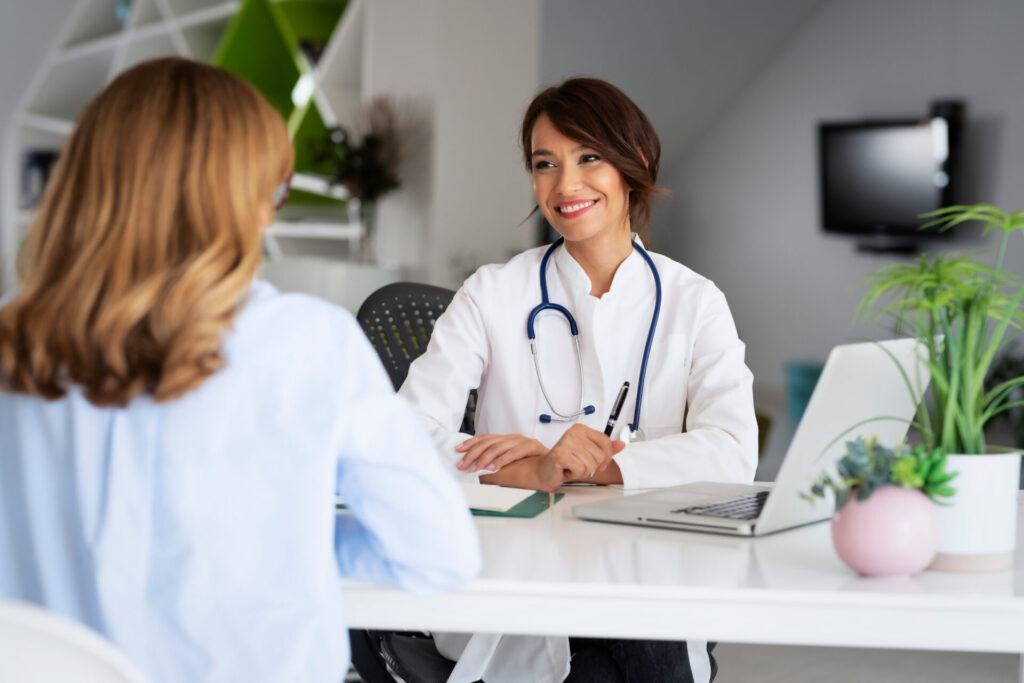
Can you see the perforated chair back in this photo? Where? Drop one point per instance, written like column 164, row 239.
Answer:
column 398, row 319
column 40, row 646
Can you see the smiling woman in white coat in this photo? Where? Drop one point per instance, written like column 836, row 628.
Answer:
column 550, row 338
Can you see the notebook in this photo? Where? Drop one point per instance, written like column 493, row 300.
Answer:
column 499, row 501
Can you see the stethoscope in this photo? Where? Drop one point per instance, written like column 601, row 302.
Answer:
column 546, row 305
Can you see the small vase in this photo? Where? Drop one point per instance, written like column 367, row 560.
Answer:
column 892, row 533
column 367, row 246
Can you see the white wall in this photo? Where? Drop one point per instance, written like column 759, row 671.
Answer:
column 474, row 64
column 746, row 213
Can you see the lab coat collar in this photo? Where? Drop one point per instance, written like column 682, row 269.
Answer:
column 576, row 280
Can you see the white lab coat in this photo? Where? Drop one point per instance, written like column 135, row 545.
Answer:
column 696, row 369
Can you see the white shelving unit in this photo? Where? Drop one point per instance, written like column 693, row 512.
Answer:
column 94, row 46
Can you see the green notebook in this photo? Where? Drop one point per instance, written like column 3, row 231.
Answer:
column 531, row 507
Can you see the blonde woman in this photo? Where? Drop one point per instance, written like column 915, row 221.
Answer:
column 172, row 433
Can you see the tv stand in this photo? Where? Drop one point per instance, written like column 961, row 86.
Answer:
column 887, row 244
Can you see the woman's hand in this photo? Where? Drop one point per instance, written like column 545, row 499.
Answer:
column 582, row 451
column 491, row 452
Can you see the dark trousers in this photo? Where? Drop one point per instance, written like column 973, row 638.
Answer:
column 601, row 660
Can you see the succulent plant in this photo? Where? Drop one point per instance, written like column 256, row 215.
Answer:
column 867, row 466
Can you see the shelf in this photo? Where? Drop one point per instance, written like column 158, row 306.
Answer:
column 96, row 44
column 309, row 238
column 311, row 230
column 212, row 13
column 340, row 71
column 160, row 45
column 219, row 14
column 91, row 47
column 93, row 21
column 203, row 38
column 145, row 13
column 183, row 9
column 70, row 85
column 317, row 185
column 48, row 124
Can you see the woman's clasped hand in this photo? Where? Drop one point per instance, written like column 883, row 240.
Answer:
column 579, row 455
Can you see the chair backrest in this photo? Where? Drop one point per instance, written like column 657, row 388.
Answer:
column 399, row 318
column 40, row 646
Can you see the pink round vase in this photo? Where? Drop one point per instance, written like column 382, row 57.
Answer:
column 893, row 533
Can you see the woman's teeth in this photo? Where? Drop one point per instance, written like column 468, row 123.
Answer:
column 575, row 207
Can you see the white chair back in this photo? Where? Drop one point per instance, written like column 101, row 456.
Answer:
column 37, row 646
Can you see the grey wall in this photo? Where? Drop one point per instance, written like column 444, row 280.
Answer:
column 736, row 90
column 746, row 212
column 681, row 61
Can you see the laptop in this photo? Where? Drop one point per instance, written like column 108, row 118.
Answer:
column 860, row 382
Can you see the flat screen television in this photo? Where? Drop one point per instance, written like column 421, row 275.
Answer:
column 877, row 177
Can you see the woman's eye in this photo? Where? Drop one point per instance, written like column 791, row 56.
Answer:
column 587, row 158
column 541, row 165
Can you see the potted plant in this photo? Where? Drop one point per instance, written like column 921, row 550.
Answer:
column 885, row 522
column 365, row 160
column 963, row 311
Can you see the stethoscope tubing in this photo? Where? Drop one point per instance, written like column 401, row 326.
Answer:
column 546, row 305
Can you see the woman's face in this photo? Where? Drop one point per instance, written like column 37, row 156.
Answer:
column 580, row 194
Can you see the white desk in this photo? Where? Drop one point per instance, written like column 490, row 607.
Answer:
column 558, row 575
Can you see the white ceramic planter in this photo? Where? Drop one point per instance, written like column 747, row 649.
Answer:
column 978, row 531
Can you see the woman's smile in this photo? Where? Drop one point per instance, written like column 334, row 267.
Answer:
column 574, row 209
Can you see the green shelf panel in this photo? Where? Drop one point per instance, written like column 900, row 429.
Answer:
column 258, row 48
column 262, row 45
column 310, row 133
column 312, row 20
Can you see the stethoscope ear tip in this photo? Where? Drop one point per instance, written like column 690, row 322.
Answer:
column 545, row 419
column 589, row 410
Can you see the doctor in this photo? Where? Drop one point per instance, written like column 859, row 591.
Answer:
column 549, row 339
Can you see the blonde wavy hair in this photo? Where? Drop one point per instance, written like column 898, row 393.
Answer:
column 147, row 238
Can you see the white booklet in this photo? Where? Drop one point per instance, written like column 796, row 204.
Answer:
column 493, row 498
column 486, row 497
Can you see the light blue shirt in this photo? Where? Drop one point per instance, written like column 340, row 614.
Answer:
column 200, row 534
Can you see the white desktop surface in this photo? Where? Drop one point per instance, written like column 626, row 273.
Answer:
column 557, row 575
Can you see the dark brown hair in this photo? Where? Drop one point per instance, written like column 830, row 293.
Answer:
column 599, row 115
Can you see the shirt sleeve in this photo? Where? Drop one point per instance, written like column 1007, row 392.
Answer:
column 407, row 523
column 439, row 381
column 720, row 441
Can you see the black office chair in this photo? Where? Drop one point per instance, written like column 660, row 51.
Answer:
column 398, row 319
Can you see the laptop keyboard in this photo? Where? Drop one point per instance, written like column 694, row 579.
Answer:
column 744, row 507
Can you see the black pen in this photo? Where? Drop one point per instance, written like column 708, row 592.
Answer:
column 616, row 409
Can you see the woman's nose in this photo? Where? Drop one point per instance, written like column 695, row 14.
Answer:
column 569, row 180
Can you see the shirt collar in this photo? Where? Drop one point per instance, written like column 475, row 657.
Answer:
column 575, row 279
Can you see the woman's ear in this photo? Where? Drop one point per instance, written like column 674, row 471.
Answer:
column 266, row 215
